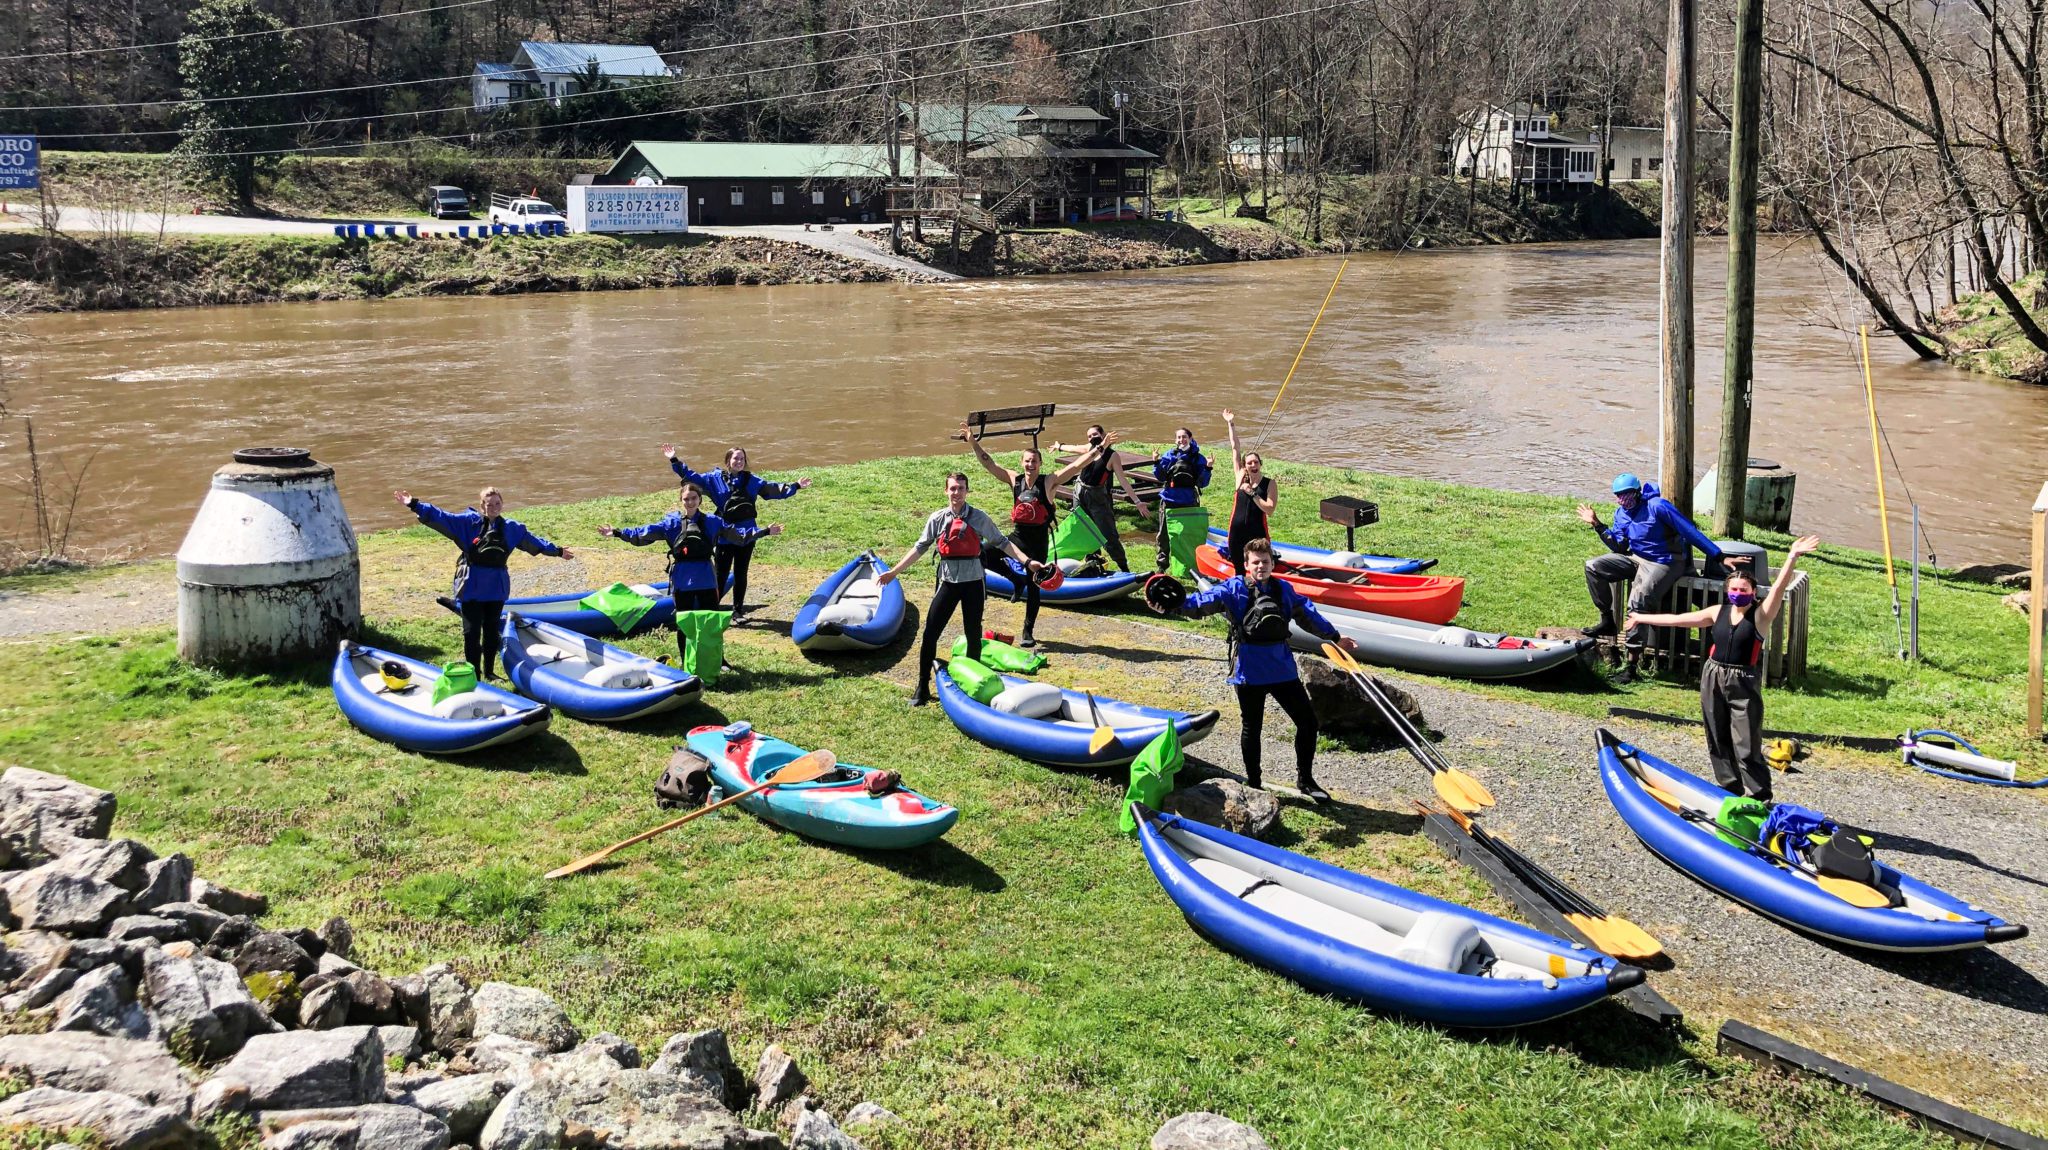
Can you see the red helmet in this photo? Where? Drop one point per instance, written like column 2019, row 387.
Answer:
column 1164, row 593
column 1049, row 576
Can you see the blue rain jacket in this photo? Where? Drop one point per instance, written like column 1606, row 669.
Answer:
column 699, row 575
column 721, row 487
column 480, row 584
column 1256, row 664
column 1182, row 496
column 1655, row 531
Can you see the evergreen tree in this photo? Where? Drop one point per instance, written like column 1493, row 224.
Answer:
column 231, row 48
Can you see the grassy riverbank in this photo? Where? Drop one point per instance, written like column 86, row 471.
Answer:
column 1978, row 333
column 1023, row 983
column 392, row 183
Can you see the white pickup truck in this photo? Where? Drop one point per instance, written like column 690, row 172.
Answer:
column 520, row 210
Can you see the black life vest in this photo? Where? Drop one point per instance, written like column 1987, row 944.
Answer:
column 489, row 547
column 1098, row 473
column 1265, row 617
column 739, row 499
column 692, row 544
column 1736, row 644
column 958, row 540
column 1182, row 473
column 1031, row 506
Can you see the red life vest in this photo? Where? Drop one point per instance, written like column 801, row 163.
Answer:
column 957, row 540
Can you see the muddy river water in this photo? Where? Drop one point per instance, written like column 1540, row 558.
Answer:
column 1530, row 367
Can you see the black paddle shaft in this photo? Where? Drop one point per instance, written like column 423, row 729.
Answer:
column 1532, row 873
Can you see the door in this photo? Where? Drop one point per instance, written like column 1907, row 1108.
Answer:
column 1635, row 168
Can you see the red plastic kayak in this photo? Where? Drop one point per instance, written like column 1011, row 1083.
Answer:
column 1423, row 598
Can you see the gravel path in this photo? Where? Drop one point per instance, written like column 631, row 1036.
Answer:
column 1967, row 1028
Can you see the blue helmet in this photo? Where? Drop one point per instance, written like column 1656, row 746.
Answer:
column 1626, row 482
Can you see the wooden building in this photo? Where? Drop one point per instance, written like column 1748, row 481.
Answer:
column 734, row 184
column 1039, row 163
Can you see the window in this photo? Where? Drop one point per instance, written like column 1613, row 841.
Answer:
column 1503, row 125
column 817, row 198
column 739, row 197
column 1656, row 162
column 853, row 196
column 775, row 195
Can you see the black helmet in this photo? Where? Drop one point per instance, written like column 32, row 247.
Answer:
column 1164, row 593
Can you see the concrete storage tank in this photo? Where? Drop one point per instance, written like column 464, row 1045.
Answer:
column 269, row 571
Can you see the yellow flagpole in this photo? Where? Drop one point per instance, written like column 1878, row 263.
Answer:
column 1877, row 459
column 1327, row 296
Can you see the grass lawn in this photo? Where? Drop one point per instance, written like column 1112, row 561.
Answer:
column 1022, row 983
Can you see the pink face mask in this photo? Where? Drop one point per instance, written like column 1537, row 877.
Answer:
column 1741, row 598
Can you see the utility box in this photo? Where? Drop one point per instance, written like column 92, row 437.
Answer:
column 1766, row 500
column 268, row 572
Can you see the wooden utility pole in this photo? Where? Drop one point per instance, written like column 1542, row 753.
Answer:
column 2037, row 611
column 1737, row 358
column 1675, row 303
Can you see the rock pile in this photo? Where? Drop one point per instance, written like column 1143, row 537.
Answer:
column 133, row 968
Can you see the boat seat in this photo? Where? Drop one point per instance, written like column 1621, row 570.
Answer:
column 373, row 682
column 1441, row 941
column 861, row 589
column 469, row 705
column 1030, row 700
column 618, row 676
column 847, row 614
column 1296, row 907
column 545, row 653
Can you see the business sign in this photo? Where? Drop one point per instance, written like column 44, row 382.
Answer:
column 612, row 208
column 19, row 164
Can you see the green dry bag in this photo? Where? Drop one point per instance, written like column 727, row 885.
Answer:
column 1740, row 820
column 1186, row 529
column 1077, row 537
column 1152, row 775
column 455, row 679
column 980, row 683
column 1000, row 656
column 621, row 604
column 704, row 632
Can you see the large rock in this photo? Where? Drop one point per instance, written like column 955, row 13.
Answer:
column 57, row 804
column 524, row 1013
column 512, row 1060
column 337, row 936
column 633, row 1110
column 2021, row 601
column 120, row 862
column 1204, row 1131
column 815, row 1130
column 1226, row 803
column 869, row 1114
column 136, row 927
column 300, row 1070
column 166, row 880
column 707, row 1056
column 144, row 1071
column 229, row 902
column 400, row 1040
column 102, row 1001
column 275, row 953
column 449, row 1015
column 776, row 1078
column 1342, row 707
column 379, row 1126
column 326, row 1007
column 53, row 898
column 115, row 1121
column 611, row 1046
column 41, row 992
column 464, row 1103
column 201, row 1004
column 371, row 1001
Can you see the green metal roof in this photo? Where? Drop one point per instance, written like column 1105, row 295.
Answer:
column 719, row 160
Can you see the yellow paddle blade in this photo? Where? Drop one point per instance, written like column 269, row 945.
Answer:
column 1852, row 892
column 1474, row 790
column 1452, row 794
column 1103, row 737
column 1638, row 942
column 1594, row 929
column 1666, row 797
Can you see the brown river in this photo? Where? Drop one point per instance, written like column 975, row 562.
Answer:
column 1531, row 367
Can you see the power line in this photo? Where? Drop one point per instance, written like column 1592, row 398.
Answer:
column 798, row 65
column 245, row 35
column 676, row 53
column 769, row 99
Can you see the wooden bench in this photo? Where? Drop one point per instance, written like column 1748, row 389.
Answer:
column 1681, row 651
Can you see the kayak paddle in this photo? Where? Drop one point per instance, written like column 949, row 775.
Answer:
column 1454, row 786
column 1611, row 933
column 1104, row 733
column 1847, row 889
column 801, row 770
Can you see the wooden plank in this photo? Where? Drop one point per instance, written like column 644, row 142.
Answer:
column 1638, row 999
column 1742, row 1040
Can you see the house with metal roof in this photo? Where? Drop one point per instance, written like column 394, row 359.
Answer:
column 735, row 183
column 1271, row 154
column 545, row 70
column 1516, row 142
column 1039, row 163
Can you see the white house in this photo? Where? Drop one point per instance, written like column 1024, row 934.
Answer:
column 1280, row 154
column 546, row 70
column 1633, row 153
column 1503, row 142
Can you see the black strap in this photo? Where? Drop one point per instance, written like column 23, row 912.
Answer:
column 1246, row 892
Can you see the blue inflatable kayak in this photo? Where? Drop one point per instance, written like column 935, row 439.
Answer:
column 587, row 679
column 1355, row 937
column 1072, row 590
column 849, row 611
column 838, row 808
column 1929, row 919
column 1317, row 556
column 411, row 719
column 1053, row 725
column 566, row 610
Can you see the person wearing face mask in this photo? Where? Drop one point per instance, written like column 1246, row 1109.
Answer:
column 1182, row 472
column 1651, row 544
column 1091, row 493
column 482, row 583
column 1031, row 515
column 1256, row 496
column 689, row 535
column 961, row 532
column 735, row 493
column 1731, row 696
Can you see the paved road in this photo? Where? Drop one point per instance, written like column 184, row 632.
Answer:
column 842, row 240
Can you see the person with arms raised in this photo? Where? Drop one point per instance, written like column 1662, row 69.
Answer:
column 689, row 536
column 1091, row 490
column 1253, row 502
column 1183, row 471
column 1031, row 513
column 1649, row 545
column 735, row 496
column 482, row 583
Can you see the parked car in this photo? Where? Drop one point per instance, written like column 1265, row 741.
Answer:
column 445, row 200
column 521, row 210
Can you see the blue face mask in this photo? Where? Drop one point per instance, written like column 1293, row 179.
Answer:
column 1741, row 598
